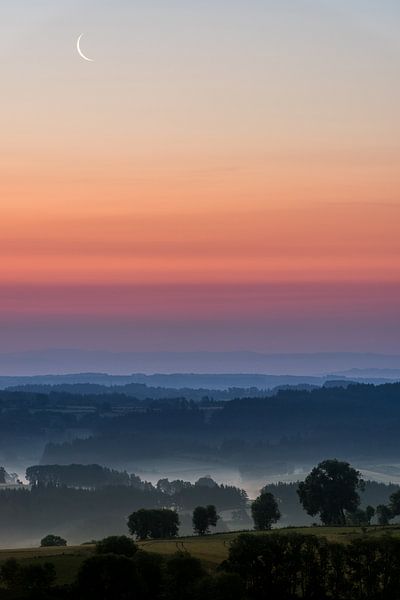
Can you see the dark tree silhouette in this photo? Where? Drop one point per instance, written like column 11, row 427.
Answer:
column 182, row 573
column 384, row 514
column 109, row 577
column 293, row 565
column 37, row 579
column 330, row 490
column 265, row 511
column 278, row 566
column 52, row 540
column 10, row 573
column 361, row 517
column 203, row 518
column 220, row 586
column 87, row 476
column 284, row 566
column 395, row 503
column 154, row 523
column 31, row 581
column 150, row 566
column 116, row 544
column 369, row 513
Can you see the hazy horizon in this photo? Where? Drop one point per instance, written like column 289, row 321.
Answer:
column 72, row 360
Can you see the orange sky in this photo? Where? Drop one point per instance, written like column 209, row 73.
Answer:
column 207, row 148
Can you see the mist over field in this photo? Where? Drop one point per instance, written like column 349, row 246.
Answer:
column 143, row 440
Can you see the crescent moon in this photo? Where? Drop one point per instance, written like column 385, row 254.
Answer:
column 78, row 47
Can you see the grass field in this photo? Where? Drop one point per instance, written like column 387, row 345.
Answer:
column 211, row 549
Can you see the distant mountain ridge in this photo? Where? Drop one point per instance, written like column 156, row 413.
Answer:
column 310, row 365
column 177, row 381
column 175, row 384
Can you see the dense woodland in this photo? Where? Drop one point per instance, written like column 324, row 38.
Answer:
column 290, row 424
column 260, row 435
column 257, row 436
column 83, row 428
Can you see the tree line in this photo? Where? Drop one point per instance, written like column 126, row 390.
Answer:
column 275, row 566
column 102, row 510
column 82, row 476
column 240, row 431
column 331, row 493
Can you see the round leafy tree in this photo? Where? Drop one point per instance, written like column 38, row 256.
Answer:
column 154, row 523
column 330, row 490
column 203, row 518
column 265, row 511
column 52, row 540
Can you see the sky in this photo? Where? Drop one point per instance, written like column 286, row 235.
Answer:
column 223, row 176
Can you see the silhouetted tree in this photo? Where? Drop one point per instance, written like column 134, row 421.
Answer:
column 330, row 490
column 31, row 581
column 265, row 511
column 373, row 566
column 150, row 566
column 172, row 487
column 384, row 514
column 116, row 544
column 360, row 516
column 3, row 474
column 154, row 523
column 206, row 482
column 394, row 503
column 220, row 586
column 52, row 540
column 279, row 566
column 87, row 476
column 203, row 518
column 224, row 497
column 10, row 573
column 109, row 577
column 38, row 579
column 293, row 565
column 182, row 573
column 369, row 513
